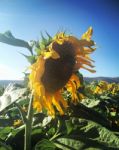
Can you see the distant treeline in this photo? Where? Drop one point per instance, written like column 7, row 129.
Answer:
column 88, row 79
column 107, row 79
column 6, row 82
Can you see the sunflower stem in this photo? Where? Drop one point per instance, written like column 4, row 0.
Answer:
column 28, row 126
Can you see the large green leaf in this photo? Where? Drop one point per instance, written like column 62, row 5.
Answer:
column 4, row 132
column 8, row 38
column 30, row 59
column 10, row 95
column 90, row 102
column 45, row 145
column 85, row 134
column 5, row 148
column 82, row 111
column 68, row 144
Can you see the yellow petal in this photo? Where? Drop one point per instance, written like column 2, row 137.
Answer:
column 51, row 54
column 57, row 105
column 60, row 38
column 60, row 97
column 90, row 70
column 88, row 34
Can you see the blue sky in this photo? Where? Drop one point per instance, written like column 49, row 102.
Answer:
column 26, row 19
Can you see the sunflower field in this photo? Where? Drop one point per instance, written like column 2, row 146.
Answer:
column 54, row 108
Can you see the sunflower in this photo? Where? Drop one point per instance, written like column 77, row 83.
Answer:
column 101, row 88
column 55, row 71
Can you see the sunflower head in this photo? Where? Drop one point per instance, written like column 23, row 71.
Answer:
column 55, row 70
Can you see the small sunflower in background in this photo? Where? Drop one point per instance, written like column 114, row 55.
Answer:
column 101, row 88
column 54, row 70
column 17, row 123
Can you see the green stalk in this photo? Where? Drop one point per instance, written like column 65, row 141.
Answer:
column 28, row 126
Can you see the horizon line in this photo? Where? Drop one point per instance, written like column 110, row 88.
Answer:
column 83, row 76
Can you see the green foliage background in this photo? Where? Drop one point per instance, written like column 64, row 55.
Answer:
column 92, row 124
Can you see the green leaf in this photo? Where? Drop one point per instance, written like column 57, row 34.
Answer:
column 69, row 126
column 4, row 132
column 36, row 131
column 10, row 95
column 8, row 38
column 90, row 102
column 5, row 148
column 88, row 134
column 68, row 144
column 45, row 145
column 44, row 40
column 2, row 148
column 38, row 51
column 51, row 131
column 30, row 59
column 113, row 114
column 46, row 121
column 49, row 36
column 42, row 46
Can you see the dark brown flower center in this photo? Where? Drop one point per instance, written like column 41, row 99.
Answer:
column 58, row 71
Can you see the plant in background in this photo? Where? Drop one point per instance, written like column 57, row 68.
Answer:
column 51, row 107
column 103, row 97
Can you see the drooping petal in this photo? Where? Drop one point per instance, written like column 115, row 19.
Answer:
column 90, row 70
column 88, row 34
column 58, row 95
column 72, row 87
